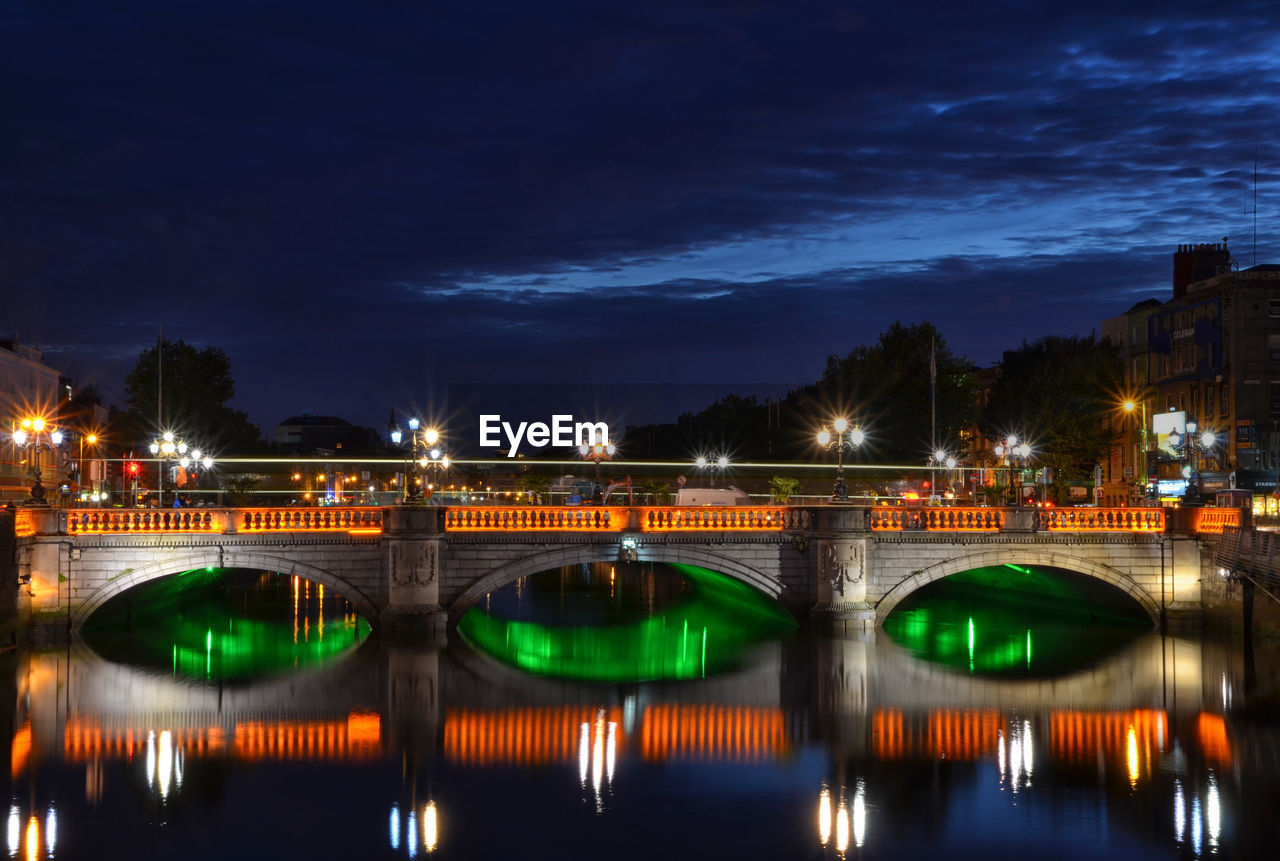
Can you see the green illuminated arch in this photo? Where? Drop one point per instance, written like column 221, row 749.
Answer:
column 586, row 553
column 1013, row 556
column 220, row 557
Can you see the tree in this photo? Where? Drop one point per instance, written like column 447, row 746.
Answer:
column 197, row 384
column 1056, row 392
column 781, row 488
column 657, row 492
column 885, row 387
column 534, row 485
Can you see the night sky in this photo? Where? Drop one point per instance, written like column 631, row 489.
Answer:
column 364, row 202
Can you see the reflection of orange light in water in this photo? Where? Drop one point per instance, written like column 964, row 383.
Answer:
column 33, row 839
column 524, row 736
column 712, row 732
column 1128, row 736
column 944, row 733
column 1212, row 730
column 359, row 736
column 21, row 749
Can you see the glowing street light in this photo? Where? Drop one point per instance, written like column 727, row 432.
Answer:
column 846, row 436
column 173, row 453
column 597, row 453
column 36, row 436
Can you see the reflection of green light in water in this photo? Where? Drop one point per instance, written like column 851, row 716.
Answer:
column 1076, row 620
column 732, row 617
column 187, row 614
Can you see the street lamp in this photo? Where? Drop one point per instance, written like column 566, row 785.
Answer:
column 846, row 436
column 173, row 453
column 1129, row 407
column 596, row 453
column 1015, row 455
column 36, row 436
column 1193, row 448
column 433, row 461
column 943, row 460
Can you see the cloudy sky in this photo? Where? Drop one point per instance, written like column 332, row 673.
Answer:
column 364, row 202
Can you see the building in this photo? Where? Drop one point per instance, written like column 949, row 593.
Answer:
column 1209, row 355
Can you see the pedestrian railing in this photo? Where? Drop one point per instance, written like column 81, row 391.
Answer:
column 564, row 518
column 716, row 518
column 1103, row 520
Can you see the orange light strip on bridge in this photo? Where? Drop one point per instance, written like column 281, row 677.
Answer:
column 1214, row 520
column 535, row 518
column 24, row 524
column 708, row 518
column 1103, row 520
column 886, row 518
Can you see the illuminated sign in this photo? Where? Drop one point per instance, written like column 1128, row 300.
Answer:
column 1163, row 425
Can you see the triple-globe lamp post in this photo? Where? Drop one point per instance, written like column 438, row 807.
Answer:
column 172, row 453
column 1015, row 453
column 845, row 436
column 1193, row 445
column 36, row 436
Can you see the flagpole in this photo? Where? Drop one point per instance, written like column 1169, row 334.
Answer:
column 933, row 398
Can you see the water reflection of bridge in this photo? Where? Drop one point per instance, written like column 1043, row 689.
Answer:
column 871, row 700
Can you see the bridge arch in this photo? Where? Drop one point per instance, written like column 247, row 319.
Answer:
column 578, row 554
column 220, row 557
column 1088, row 567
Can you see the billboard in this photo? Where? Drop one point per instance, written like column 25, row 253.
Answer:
column 1165, row 424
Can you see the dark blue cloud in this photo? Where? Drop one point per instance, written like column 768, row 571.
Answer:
column 360, row 201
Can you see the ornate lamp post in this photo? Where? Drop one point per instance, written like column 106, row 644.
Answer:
column 36, row 436
column 433, row 460
column 1193, row 447
column 171, row 453
column 943, row 460
column 846, row 436
column 1015, row 455
column 597, row 453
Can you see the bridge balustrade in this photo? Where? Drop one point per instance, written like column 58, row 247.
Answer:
column 103, row 522
column 1103, row 520
column 937, row 519
column 705, row 519
column 1214, row 520
column 566, row 518
column 310, row 520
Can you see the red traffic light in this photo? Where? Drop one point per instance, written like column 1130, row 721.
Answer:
column 131, row 468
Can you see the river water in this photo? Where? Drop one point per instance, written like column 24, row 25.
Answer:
column 628, row 713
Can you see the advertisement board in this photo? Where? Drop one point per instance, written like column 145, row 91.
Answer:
column 1165, row 424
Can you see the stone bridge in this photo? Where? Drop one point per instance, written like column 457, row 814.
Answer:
column 425, row 566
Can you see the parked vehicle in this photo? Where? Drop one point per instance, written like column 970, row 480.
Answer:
column 712, row 496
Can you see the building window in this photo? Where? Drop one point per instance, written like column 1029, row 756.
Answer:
column 1275, row 397
column 1226, row 399
column 1273, row 308
column 1273, row 348
column 1209, row 400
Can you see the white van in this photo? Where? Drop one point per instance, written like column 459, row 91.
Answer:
column 712, row 496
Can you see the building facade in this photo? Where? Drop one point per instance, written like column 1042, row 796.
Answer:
column 29, row 389
column 1210, row 355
